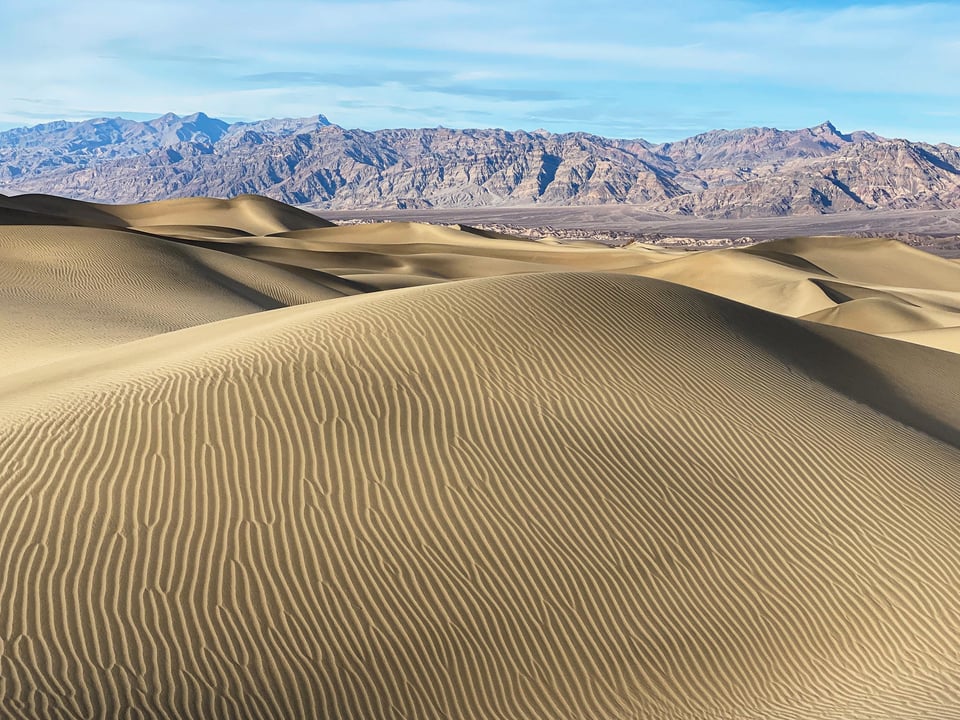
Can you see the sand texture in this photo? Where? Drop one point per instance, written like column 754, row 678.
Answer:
column 256, row 467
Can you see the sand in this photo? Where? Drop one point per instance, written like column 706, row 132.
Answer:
column 412, row 471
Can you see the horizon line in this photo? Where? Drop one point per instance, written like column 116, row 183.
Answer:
column 146, row 118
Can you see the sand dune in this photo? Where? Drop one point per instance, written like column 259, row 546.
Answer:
column 246, row 214
column 66, row 290
column 536, row 481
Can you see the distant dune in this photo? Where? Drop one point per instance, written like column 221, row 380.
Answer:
column 253, row 465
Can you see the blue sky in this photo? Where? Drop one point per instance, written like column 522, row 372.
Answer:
column 657, row 70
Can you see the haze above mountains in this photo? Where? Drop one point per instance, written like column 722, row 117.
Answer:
column 753, row 172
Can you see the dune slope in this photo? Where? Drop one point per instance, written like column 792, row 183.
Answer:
column 245, row 214
column 253, row 465
column 548, row 495
column 73, row 289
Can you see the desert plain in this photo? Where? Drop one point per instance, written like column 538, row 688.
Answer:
column 257, row 465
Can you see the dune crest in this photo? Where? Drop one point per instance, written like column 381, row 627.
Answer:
column 504, row 488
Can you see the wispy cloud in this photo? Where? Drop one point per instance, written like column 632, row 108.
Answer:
column 417, row 81
column 900, row 48
column 351, row 79
column 611, row 67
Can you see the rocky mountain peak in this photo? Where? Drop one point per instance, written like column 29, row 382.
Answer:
column 826, row 128
column 310, row 161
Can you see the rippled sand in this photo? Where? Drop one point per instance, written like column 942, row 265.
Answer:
column 255, row 466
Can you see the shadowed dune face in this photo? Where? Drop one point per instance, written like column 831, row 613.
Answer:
column 71, row 289
column 554, row 494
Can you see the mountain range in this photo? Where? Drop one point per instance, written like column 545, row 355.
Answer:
column 753, row 172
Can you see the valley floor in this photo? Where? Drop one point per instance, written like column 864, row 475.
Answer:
column 936, row 231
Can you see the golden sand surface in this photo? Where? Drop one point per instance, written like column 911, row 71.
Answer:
column 253, row 465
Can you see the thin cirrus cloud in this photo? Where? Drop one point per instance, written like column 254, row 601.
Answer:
column 652, row 69
column 414, row 80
